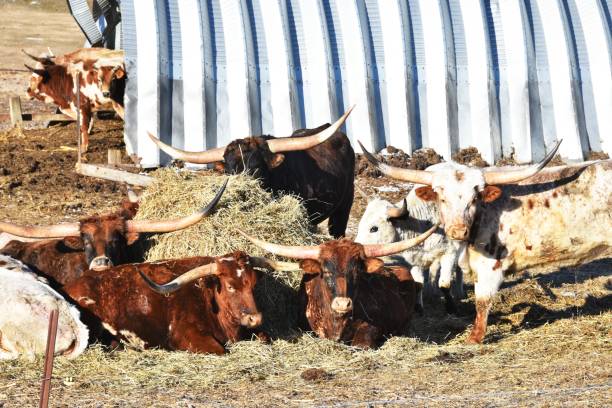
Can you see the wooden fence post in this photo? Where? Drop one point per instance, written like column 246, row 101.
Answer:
column 49, row 354
column 15, row 111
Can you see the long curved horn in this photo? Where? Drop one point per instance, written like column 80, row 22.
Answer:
column 208, row 156
column 296, row 252
column 176, row 284
column 42, row 60
column 414, row 176
column 514, row 176
column 71, row 229
column 290, row 144
column 375, row 250
column 177, row 224
column 395, row 212
column 265, row 263
column 39, row 72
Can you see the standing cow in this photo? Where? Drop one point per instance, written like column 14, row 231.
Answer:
column 347, row 294
column 383, row 222
column 97, row 242
column 559, row 217
column 206, row 302
column 25, row 306
column 316, row 165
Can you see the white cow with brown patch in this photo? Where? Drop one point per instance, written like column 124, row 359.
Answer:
column 518, row 219
column 384, row 222
column 25, row 306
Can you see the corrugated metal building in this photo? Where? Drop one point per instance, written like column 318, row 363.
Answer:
column 505, row 76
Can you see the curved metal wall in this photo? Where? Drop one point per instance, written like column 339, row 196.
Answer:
column 505, row 76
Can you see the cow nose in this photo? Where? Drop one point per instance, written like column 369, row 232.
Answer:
column 342, row 305
column 251, row 320
column 100, row 263
column 106, row 94
column 458, row 232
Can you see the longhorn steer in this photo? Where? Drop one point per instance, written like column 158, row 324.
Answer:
column 559, row 217
column 347, row 294
column 315, row 164
column 97, row 242
column 383, row 222
column 206, row 302
column 25, row 305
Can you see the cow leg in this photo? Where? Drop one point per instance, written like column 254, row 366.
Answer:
column 338, row 220
column 417, row 275
column 489, row 277
column 7, row 350
column 91, row 123
column 84, row 125
column 446, row 269
column 365, row 335
column 464, row 266
column 119, row 110
column 190, row 339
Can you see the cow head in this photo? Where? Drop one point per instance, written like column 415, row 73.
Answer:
column 459, row 189
column 233, row 280
column 104, row 239
column 106, row 76
column 337, row 265
column 378, row 222
column 255, row 155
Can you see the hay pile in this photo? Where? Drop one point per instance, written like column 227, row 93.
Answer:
column 244, row 205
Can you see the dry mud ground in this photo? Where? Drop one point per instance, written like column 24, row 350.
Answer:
column 549, row 343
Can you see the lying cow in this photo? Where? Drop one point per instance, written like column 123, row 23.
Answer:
column 316, row 165
column 346, row 292
column 102, row 83
column 382, row 222
column 518, row 219
column 25, row 306
column 97, row 242
column 207, row 302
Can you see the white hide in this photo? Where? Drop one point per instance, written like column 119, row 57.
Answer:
column 436, row 253
column 25, row 306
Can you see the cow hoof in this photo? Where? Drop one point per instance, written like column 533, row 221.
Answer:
column 474, row 339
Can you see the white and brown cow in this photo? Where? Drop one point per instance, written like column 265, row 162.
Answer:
column 25, row 305
column 519, row 219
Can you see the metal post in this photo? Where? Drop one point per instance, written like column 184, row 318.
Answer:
column 78, row 114
column 49, row 353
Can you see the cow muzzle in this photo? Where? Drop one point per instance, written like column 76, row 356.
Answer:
column 458, row 232
column 100, row 263
column 251, row 320
column 342, row 305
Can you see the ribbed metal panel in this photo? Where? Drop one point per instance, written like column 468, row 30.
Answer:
column 509, row 77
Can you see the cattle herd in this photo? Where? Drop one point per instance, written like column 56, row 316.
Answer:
column 483, row 222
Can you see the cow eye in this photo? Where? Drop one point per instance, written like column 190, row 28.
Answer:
column 230, row 289
column 374, row 229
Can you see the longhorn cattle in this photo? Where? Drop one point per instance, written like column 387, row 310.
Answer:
column 206, row 302
column 96, row 243
column 559, row 217
column 315, row 164
column 383, row 222
column 25, row 305
column 347, row 294
column 102, row 83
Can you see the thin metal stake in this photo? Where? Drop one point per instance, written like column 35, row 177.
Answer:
column 49, row 353
column 78, row 114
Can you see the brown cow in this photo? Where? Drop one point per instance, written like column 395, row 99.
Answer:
column 207, row 303
column 347, row 294
column 316, row 165
column 97, row 242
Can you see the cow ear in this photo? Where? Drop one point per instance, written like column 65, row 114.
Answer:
column 219, row 167
column 75, row 243
column 310, row 267
column 131, row 237
column 426, row 193
column 490, row 194
column 119, row 73
column 276, row 160
column 373, row 264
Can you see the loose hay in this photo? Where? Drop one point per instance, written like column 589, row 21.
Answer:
column 244, row 205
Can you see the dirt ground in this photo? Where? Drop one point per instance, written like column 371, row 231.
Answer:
column 549, row 341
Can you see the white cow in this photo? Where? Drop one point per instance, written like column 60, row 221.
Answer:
column 559, row 217
column 383, row 222
column 25, row 306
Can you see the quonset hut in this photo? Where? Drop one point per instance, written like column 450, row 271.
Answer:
column 509, row 77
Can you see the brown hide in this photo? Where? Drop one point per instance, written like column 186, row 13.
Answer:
column 200, row 317
column 64, row 260
column 382, row 298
